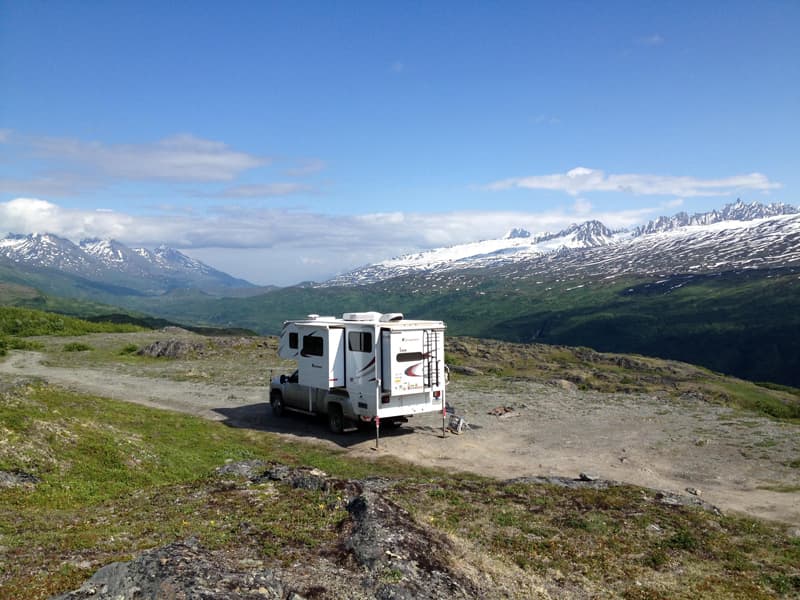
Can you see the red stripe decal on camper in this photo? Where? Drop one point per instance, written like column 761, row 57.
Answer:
column 412, row 370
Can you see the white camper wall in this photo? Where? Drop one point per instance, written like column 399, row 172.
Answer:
column 402, row 362
column 289, row 344
column 321, row 359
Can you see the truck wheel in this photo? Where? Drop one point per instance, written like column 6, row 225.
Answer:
column 276, row 400
column 335, row 419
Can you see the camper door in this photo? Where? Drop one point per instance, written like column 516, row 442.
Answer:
column 321, row 360
column 403, row 360
column 362, row 371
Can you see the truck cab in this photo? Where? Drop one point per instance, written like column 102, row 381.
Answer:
column 287, row 393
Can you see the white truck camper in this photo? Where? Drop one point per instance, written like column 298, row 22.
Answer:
column 366, row 366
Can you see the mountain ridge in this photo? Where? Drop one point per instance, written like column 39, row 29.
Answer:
column 111, row 262
column 519, row 247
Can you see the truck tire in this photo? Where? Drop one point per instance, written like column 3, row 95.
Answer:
column 276, row 401
column 335, row 419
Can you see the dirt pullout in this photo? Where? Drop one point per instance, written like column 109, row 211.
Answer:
column 201, row 399
column 736, row 461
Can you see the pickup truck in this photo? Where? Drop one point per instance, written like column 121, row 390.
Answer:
column 286, row 393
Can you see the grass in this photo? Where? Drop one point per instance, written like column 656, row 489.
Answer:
column 115, row 478
column 76, row 347
column 19, row 323
column 25, row 322
column 617, row 542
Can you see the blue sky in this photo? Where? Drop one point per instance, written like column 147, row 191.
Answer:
column 289, row 141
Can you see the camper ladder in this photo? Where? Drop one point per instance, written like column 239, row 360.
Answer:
column 430, row 351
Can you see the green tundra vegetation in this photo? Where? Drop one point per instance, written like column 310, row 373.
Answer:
column 18, row 323
column 113, row 478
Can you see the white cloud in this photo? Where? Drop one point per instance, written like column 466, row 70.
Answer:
column 61, row 184
column 270, row 245
column 183, row 157
column 581, row 180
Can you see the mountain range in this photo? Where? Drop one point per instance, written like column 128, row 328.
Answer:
column 139, row 270
column 738, row 236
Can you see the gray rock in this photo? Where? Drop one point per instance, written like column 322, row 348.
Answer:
column 247, row 469
column 170, row 349
column 17, row 478
column 385, row 538
column 179, row 570
column 302, row 477
column 461, row 370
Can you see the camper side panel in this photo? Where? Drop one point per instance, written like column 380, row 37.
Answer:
column 289, row 344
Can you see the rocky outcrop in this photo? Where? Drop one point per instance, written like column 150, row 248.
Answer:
column 17, row 478
column 180, row 570
column 170, row 349
column 382, row 553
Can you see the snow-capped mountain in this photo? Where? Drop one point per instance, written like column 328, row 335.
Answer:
column 43, row 249
column 738, row 211
column 173, row 260
column 738, row 236
column 111, row 262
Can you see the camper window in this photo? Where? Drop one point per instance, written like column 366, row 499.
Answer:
column 359, row 341
column 312, row 346
column 293, row 341
column 409, row 356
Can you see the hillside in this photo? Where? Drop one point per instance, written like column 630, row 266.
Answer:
column 255, row 510
column 741, row 323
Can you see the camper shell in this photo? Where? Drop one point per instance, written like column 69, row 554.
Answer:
column 364, row 366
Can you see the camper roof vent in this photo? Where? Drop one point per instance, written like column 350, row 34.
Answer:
column 313, row 316
column 361, row 316
column 391, row 317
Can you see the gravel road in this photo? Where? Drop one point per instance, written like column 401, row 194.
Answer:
column 737, row 461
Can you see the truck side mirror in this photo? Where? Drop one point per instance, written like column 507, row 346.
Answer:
column 283, row 378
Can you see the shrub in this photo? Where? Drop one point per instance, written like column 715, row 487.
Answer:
column 76, row 347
